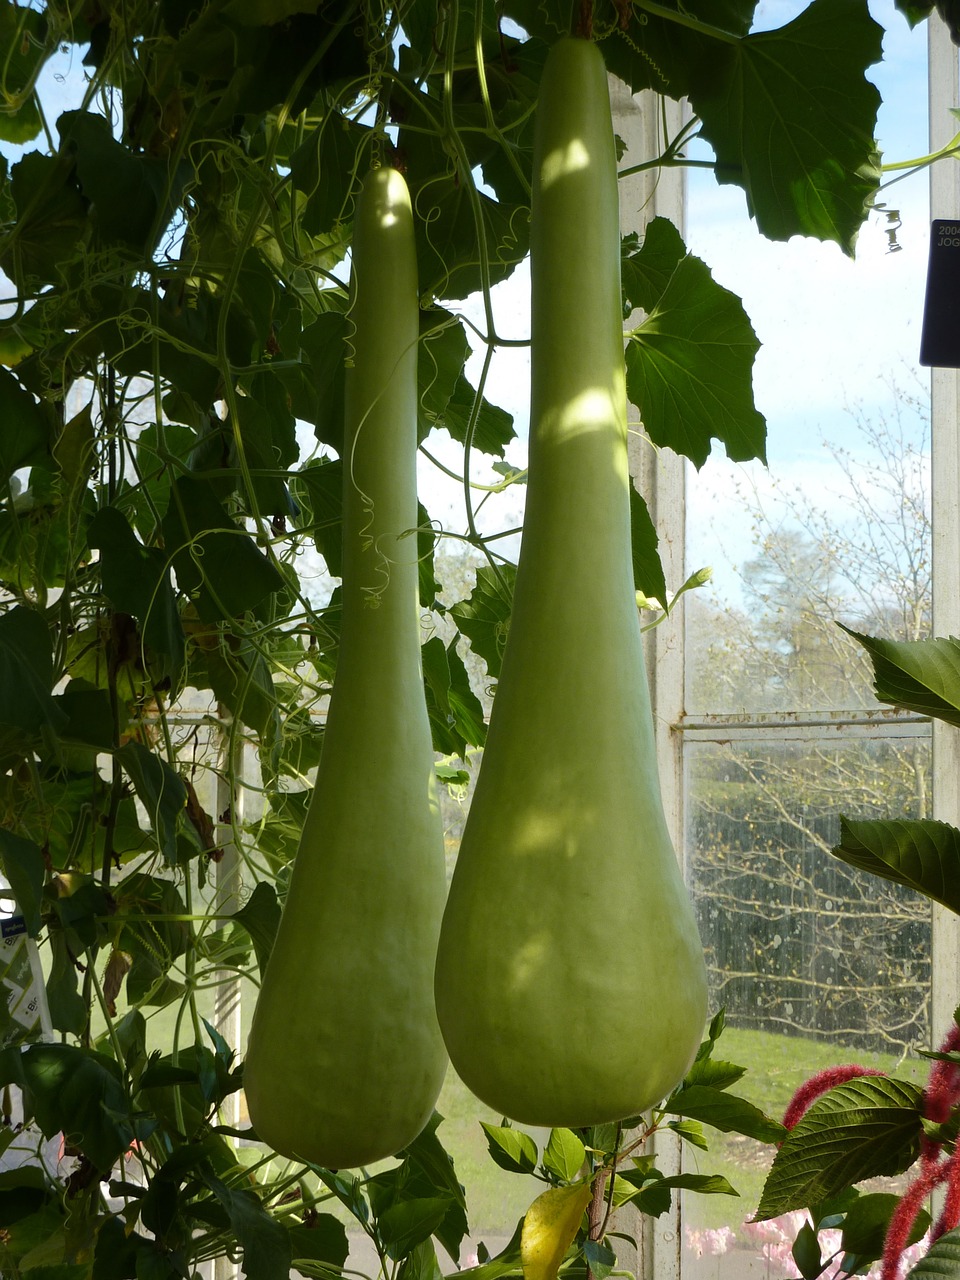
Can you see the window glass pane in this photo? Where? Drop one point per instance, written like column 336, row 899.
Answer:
column 815, row 963
column 855, row 549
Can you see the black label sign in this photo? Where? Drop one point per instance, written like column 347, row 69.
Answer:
column 940, row 337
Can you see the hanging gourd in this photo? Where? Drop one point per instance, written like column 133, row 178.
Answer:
column 571, row 987
column 345, row 1059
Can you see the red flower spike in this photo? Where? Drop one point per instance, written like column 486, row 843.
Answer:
column 951, row 1207
column 818, row 1084
column 905, row 1215
column 943, row 1087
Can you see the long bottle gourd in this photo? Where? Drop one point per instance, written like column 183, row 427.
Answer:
column 570, row 983
column 345, row 1059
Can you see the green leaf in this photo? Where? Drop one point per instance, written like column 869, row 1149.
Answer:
column 456, row 716
column 704, row 1184
column 23, row 38
column 68, row 1011
column 647, row 570
column 511, row 1149
column 865, row 1226
column 806, row 1252
column 318, row 490
column 490, row 426
column 131, row 193
column 88, row 715
column 444, row 349
column 421, row 1263
column 690, row 367
column 159, row 789
column 119, row 1253
column 921, row 854
column 240, row 677
column 260, row 916
column 151, row 933
column 645, row 270
column 324, row 1240
column 268, row 435
column 714, row 1072
column 265, row 1242
column 24, row 428
column 791, row 117
column 600, row 1258
column 24, row 870
column 564, row 1154
column 723, row 1111
column 690, row 1131
column 408, row 1223
column 26, row 676
column 324, row 169
column 51, row 219
column 137, row 581
column 446, row 398
column 869, row 1127
column 942, row 1261
column 431, row 1158
column 917, row 675
column 316, row 386
column 217, row 563
column 23, row 1191
column 484, row 616
column 650, row 1182
column 78, row 1093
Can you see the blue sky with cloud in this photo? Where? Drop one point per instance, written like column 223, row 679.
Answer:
column 836, row 332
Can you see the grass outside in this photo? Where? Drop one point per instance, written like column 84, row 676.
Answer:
column 776, row 1066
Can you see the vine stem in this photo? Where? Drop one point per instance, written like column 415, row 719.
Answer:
column 684, row 19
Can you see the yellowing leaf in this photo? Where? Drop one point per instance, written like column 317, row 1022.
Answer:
column 549, row 1227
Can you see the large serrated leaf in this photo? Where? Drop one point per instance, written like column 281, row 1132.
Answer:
column 917, row 675
column 689, row 368
column 921, row 854
column 791, row 117
column 485, row 616
column 868, row 1127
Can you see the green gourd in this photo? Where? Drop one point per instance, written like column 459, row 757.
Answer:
column 571, row 986
column 345, row 1060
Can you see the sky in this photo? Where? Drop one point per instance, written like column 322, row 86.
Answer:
column 836, row 332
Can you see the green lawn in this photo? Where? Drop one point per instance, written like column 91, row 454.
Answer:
column 776, row 1066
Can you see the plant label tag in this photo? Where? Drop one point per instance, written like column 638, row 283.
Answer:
column 24, row 1012
column 940, row 336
